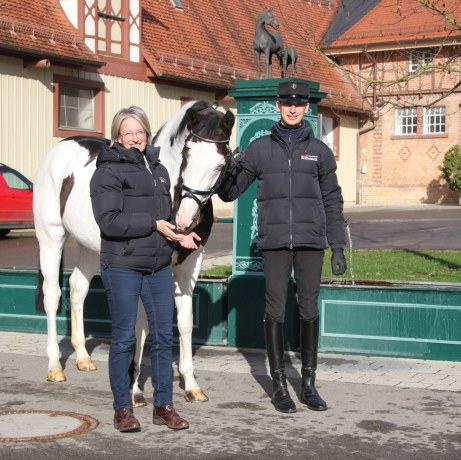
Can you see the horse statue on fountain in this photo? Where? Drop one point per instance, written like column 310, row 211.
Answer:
column 194, row 149
column 267, row 42
column 289, row 56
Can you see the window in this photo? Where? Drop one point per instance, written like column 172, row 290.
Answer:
column 434, row 120
column 328, row 135
column 112, row 27
column 420, row 59
column 329, row 132
column 178, row 4
column 16, row 181
column 419, row 121
column 78, row 107
column 406, row 121
column 107, row 24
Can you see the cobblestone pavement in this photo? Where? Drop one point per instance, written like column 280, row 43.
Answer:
column 368, row 370
column 379, row 408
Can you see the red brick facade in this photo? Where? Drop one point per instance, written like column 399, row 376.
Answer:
column 406, row 62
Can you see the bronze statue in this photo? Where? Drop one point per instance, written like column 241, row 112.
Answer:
column 290, row 56
column 267, row 42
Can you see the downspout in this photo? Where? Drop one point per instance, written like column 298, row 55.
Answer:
column 374, row 118
column 362, row 158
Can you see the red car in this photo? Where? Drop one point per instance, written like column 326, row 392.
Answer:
column 15, row 200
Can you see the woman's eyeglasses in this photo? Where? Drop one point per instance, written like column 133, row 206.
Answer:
column 140, row 134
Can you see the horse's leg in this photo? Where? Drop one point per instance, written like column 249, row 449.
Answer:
column 258, row 63
column 50, row 263
column 79, row 284
column 137, row 396
column 186, row 275
column 268, row 64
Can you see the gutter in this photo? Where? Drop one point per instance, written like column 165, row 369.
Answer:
column 23, row 51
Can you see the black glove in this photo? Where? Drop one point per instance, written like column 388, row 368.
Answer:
column 338, row 262
column 236, row 156
column 226, row 180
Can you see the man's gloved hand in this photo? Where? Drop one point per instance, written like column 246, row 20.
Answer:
column 338, row 261
column 236, row 156
column 226, row 180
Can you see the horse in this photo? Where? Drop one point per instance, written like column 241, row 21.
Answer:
column 194, row 147
column 289, row 56
column 266, row 42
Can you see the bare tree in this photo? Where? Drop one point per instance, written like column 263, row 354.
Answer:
column 386, row 77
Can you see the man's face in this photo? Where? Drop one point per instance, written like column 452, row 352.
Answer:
column 292, row 113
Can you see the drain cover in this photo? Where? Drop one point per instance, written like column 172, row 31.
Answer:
column 42, row 425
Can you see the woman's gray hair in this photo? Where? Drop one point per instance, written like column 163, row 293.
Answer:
column 130, row 112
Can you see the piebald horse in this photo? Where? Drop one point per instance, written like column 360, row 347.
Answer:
column 194, row 148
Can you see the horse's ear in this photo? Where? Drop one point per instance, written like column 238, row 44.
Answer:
column 191, row 117
column 228, row 121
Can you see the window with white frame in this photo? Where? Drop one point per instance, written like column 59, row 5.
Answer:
column 78, row 106
column 328, row 134
column 420, row 58
column 406, row 121
column 434, row 120
column 112, row 27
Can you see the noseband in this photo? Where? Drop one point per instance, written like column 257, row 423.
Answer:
column 192, row 193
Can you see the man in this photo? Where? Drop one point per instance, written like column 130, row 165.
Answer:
column 300, row 213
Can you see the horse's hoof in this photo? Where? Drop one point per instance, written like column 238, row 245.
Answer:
column 86, row 365
column 56, row 375
column 138, row 400
column 195, row 396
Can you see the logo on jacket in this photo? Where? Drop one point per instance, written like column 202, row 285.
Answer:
column 309, row 157
column 162, row 179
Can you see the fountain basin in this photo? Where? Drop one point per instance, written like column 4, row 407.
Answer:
column 387, row 318
column 391, row 318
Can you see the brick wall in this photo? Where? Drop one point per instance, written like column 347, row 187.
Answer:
column 405, row 169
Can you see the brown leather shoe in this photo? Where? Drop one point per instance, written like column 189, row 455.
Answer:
column 167, row 415
column 125, row 421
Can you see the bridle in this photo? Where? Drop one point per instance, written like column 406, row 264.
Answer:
column 192, row 193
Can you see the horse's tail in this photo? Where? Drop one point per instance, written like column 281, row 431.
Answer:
column 39, row 297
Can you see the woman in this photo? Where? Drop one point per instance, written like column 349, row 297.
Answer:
column 132, row 206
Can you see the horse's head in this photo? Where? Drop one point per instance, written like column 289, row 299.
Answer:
column 206, row 154
column 268, row 18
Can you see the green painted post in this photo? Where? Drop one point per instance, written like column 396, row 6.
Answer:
column 256, row 113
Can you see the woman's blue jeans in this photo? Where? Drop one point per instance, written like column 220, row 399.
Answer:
column 123, row 288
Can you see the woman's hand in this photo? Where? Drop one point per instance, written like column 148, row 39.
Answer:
column 167, row 230
column 187, row 240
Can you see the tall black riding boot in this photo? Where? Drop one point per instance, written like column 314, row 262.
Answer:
column 308, row 338
column 273, row 332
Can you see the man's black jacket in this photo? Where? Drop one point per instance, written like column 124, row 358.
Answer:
column 299, row 200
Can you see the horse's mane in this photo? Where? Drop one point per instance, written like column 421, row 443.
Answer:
column 173, row 128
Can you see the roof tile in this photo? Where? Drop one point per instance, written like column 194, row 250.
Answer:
column 210, row 42
column 42, row 29
column 402, row 22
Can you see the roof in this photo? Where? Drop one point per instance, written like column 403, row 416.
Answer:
column 40, row 29
column 349, row 12
column 403, row 24
column 210, row 43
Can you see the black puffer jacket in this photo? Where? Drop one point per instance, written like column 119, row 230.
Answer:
column 299, row 199
column 127, row 201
